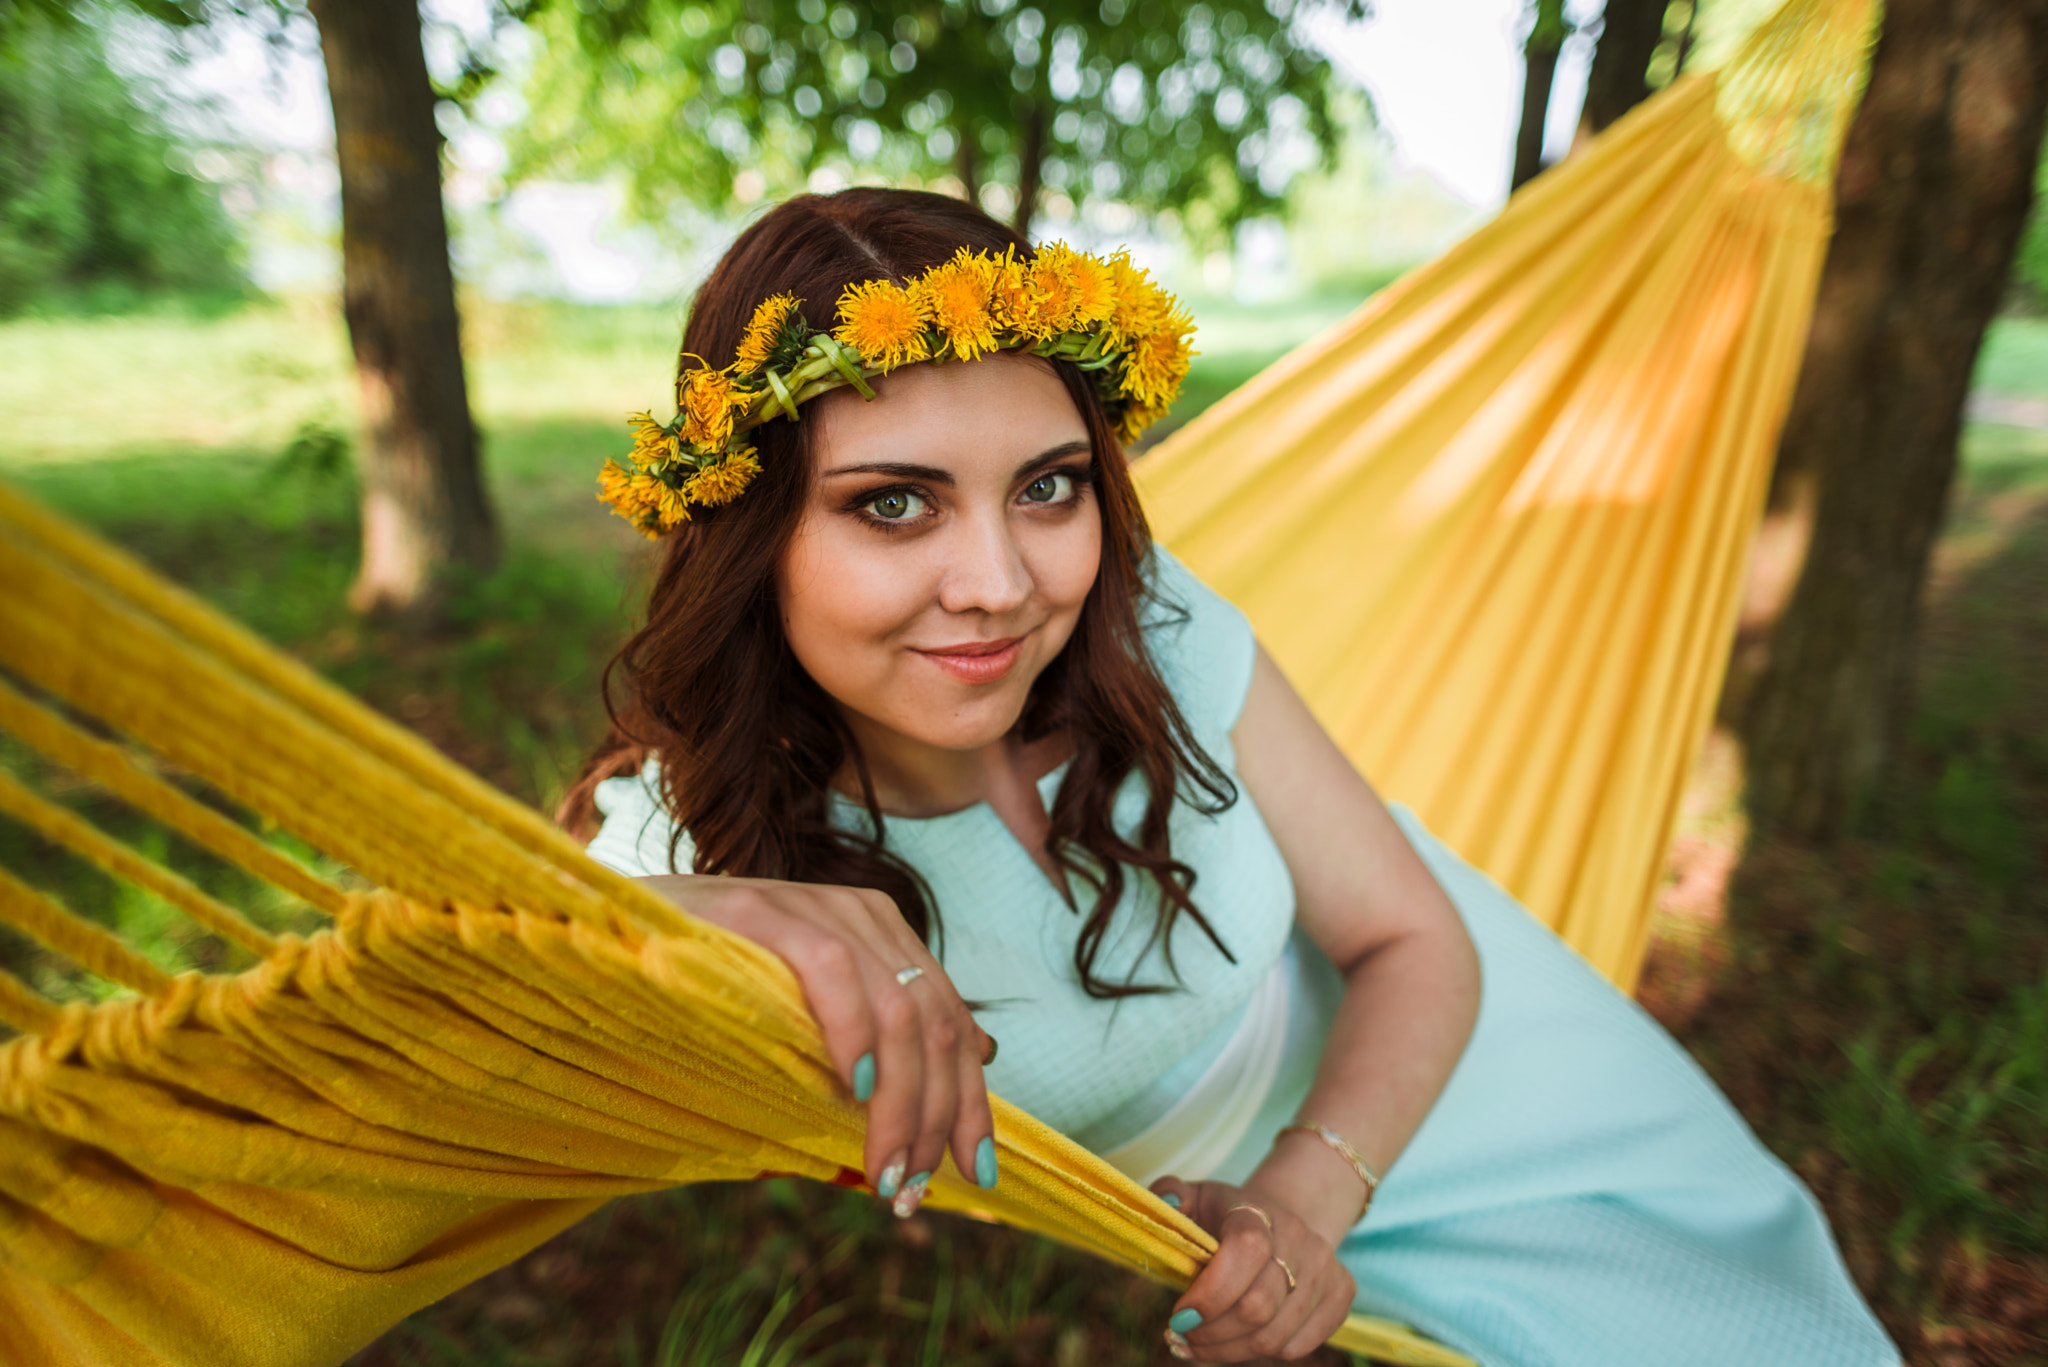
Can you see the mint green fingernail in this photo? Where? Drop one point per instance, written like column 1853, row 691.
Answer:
column 863, row 1077
column 1184, row 1320
column 1170, row 1199
column 985, row 1163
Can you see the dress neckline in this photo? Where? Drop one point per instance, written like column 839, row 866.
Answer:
column 1048, row 784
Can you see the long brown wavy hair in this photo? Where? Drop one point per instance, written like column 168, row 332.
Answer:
column 748, row 742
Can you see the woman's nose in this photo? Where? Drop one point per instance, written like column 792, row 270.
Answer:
column 986, row 570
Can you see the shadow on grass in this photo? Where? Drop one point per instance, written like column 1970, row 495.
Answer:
column 1879, row 1010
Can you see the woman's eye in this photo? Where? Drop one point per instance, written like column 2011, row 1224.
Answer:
column 1050, row 488
column 896, row 505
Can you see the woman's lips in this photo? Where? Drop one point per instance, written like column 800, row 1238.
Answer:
column 977, row 662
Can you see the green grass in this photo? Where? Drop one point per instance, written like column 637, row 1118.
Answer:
column 2014, row 362
column 1880, row 1008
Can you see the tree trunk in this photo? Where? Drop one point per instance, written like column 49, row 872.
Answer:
column 424, row 510
column 1030, row 168
column 1539, row 57
column 1934, row 185
column 969, row 163
column 1620, row 78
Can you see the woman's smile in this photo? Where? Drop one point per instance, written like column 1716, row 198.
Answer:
column 976, row 662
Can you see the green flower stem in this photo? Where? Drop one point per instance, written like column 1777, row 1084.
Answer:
column 781, row 392
column 843, row 361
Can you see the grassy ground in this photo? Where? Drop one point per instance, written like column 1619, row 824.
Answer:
column 1880, row 1012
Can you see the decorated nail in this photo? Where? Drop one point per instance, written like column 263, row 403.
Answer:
column 985, row 1163
column 890, row 1180
column 863, row 1077
column 908, row 1199
column 1178, row 1346
column 1184, row 1321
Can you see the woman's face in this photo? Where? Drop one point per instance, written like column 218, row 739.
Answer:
column 948, row 541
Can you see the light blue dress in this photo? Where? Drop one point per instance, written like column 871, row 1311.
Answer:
column 1580, row 1195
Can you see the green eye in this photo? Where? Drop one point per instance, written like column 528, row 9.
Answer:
column 1049, row 488
column 895, row 505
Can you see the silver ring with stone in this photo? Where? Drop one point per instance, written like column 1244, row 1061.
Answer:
column 904, row 976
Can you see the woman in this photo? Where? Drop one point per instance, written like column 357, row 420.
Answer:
column 919, row 707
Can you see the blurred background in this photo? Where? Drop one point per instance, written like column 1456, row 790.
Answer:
column 205, row 287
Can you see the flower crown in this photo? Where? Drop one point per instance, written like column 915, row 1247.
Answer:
column 1105, row 315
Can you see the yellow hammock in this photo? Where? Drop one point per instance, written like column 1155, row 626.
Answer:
column 1493, row 526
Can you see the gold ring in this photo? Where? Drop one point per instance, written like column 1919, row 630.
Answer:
column 905, row 976
column 1286, row 1269
column 1264, row 1218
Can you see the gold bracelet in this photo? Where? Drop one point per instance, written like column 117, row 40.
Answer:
column 1343, row 1150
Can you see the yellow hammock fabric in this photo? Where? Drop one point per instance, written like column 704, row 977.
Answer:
column 1494, row 526
column 497, row 1035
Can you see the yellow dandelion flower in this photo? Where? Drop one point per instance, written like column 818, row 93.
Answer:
column 1009, row 283
column 1136, row 418
column 1050, row 294
column 880, row 320
column 1158, row 362
column 956, row 298
column 764, row 331
column 725, row 481
column 635, row 497
column 1090, row 286
column 671, row 506
column 653, row 447
column 708, row 401
column 1137, row 306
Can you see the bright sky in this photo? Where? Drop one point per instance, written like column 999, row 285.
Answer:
column 1445, row 77
column 1446, row 82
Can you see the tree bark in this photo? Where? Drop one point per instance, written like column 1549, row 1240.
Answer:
column 424, row 508
column 969, row 162
column 1620, row 77
column 1539, row 59
column 1933, row 188
column 1030, row 168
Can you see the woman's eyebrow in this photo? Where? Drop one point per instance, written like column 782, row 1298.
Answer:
column 1063, row 450
column 932, row 474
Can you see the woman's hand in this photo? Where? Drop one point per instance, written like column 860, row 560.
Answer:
column 909, row 1049
column 1242, row 1306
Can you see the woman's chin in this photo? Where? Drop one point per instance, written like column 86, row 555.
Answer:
column 962, row 723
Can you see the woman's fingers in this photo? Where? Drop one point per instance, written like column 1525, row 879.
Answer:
column 1329, row 1311
column 939, row 1031
column 974, row 1125
column 1273, row 1289
column 1245, row 1249
column 830, row 974
column 896, row 1115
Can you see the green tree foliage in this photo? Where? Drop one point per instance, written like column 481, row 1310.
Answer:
column 2030, row 268
column 93, row 191
column 1204, row 106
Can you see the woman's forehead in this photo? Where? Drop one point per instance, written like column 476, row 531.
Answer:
column 948, row 414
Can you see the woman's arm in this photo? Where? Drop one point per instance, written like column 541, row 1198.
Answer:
column 1362, row 894
column 1411, row 995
